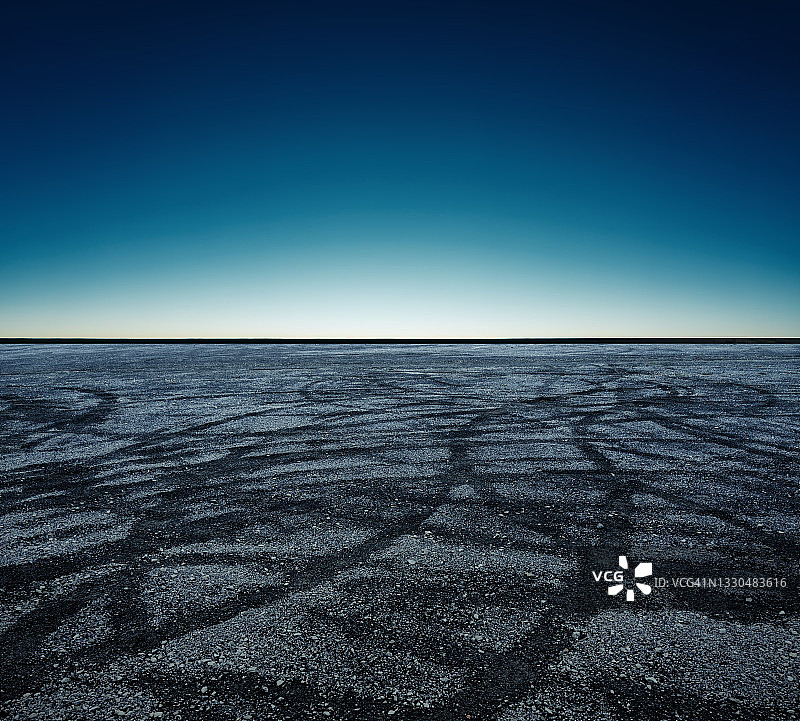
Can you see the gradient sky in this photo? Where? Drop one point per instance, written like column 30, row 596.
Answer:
column 406, row 169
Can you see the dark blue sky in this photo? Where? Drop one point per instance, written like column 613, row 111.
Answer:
column 400, row 169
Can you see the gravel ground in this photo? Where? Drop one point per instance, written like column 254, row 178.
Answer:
column 408, row 532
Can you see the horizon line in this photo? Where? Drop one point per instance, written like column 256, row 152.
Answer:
column 588, row 340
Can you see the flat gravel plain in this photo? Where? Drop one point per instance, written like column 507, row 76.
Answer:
column 398, row 532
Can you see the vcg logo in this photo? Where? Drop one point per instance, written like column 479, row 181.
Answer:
column 617, row 582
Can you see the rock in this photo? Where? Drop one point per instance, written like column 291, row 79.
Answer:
column 462, row 493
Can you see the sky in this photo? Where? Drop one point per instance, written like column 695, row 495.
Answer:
column 312, row 169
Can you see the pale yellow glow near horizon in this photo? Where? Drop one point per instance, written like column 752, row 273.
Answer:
column 418, row 319
column 345, row 296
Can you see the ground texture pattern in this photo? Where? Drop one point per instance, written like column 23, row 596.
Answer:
column 406, row 532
